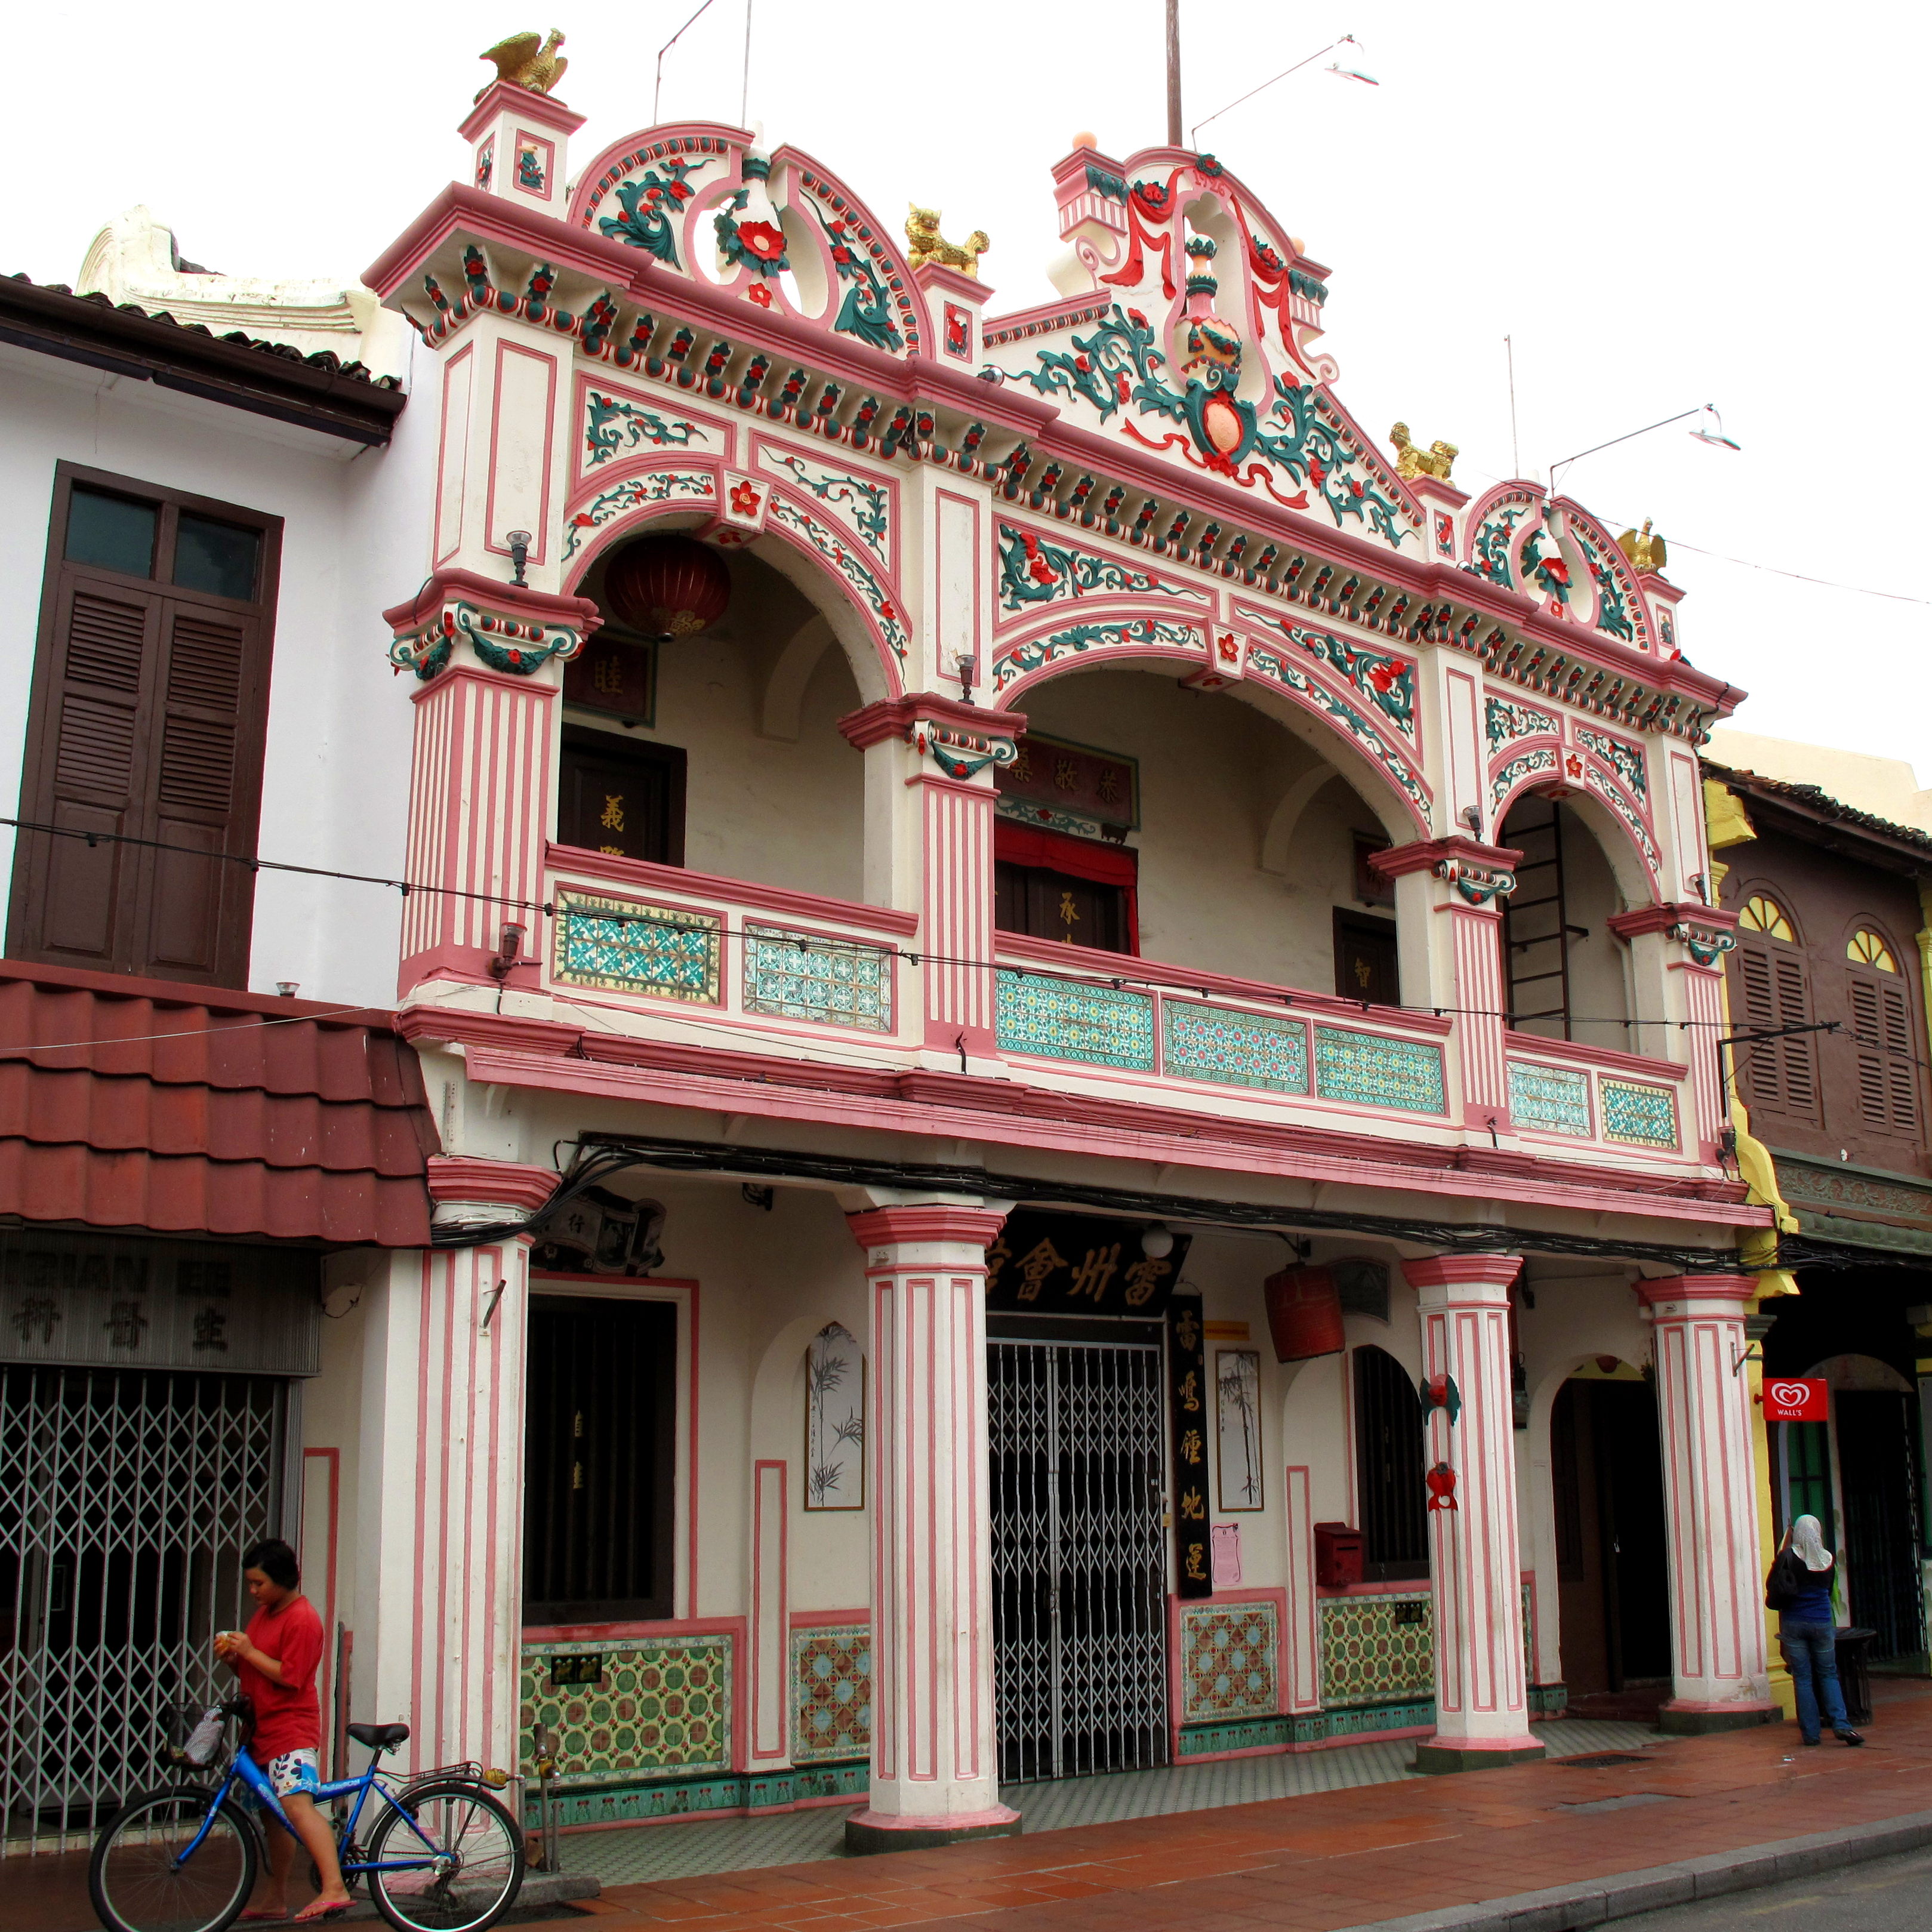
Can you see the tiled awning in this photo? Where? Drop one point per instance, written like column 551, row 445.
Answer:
column 144, row 1104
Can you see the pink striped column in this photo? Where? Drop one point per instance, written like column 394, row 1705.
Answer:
column 1482, row 1701
column 438, row 1617
column 935, row 1748
column 1719, row 1665
column 1474, row 880
column 480, row 772
column 956, row 914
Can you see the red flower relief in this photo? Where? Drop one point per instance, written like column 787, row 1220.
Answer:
column 1384, row 677
column 759, row 294
column 761, row 239
column 1083, row 363
column 744, row 499
column 1355, row 488
column 887, row 615
column 1040, row 571
column 1317, row 474
column 841, row 254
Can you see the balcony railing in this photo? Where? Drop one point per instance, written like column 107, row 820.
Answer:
column 1595, row 1096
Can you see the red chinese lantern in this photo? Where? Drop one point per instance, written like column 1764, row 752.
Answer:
column 667, row 587
column 1304, row 1313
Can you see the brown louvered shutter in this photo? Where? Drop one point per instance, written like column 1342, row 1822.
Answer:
column 1888, row 1069
column 147, row 721
column 1779, row 1074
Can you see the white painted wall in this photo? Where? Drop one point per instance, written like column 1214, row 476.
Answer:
column 335, row 780
column 1214, row 772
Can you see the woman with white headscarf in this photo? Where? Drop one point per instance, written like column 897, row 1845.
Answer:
column 1799, row 1588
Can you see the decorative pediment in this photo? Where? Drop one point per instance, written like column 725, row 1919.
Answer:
column 1187, row 331
column 778, row 231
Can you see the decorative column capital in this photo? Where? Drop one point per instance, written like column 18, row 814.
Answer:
column 508, row 627
column 926, row 1222
column 1707, row 932
column 1465, row 1278
column 1688, row 1296
column 961, row 739
column 466, row 1181
column 1479, row 872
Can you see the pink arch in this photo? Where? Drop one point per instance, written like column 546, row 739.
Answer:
column 628, row 523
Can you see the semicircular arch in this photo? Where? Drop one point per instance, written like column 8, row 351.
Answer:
column 858, row 606
column 1388, row 782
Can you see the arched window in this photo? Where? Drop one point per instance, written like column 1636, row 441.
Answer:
column 1765, row 915
column 1390, row 1488
column 1773, row 981
column 1865, row 948
column 1881, row 1009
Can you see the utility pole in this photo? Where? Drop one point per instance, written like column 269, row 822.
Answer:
column 1173, row 73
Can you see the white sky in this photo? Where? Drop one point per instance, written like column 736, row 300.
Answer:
column 1664, row 205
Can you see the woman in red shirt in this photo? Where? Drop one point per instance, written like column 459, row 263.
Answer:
column 276, row 1658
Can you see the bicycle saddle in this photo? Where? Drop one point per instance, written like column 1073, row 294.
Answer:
column 378, row 1737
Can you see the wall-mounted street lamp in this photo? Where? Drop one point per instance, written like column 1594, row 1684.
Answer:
column 1710, row 429
column 519, row 542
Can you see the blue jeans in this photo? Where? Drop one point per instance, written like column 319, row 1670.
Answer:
column 1811, row 1655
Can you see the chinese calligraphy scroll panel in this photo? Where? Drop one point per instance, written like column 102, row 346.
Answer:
column 1078, row 1265
column 1187, row 1401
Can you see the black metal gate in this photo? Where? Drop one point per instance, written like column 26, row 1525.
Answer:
column 127, row 1498
column 1882, row 1521
column 1079, row 1557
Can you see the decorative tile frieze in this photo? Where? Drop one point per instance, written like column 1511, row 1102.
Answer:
column 1505, row 721
column 1376, row 1071
column 1526, row 764
column 628, row 946
column 1233, row 1049
column 1637, row 1115
column 1854, row 1188
column 1375, row 1648
column 831, row 1693
column 799, row 975
column 1228, row 1655
column 1074, row 1019
column 1550, row 1099
column 658, row 1707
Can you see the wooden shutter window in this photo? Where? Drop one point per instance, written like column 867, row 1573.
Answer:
column 1780, row 1074
column 1888, row 1070
column 147, row 722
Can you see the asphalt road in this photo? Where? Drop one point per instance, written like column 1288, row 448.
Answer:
column 1886, row 1895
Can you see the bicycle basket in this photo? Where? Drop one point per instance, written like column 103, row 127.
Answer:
column 194, row 1736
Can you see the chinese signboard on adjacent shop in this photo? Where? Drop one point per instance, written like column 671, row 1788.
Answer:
column 1797, row 1399
column 1078, row 1265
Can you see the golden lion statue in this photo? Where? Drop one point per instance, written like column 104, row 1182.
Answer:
column 1412, row 460
column 929, row 245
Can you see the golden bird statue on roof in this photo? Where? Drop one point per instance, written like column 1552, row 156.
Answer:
column 1645, row 551
column 527, row 60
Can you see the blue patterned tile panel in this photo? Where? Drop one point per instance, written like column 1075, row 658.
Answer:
column 802, row 975
column 831, row 1692
column 1638, row 1115
column 1550, row 1099
column 1228, row 1654
column 629, row 945
column 1075, row 1019
column 1377, row 1071
column 1233, row 1049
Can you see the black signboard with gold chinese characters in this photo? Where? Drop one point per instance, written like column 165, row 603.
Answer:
column 617, row 672
column 1078, row 1265
column 1187, row 1400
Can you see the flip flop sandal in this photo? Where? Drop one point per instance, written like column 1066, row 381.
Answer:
column 317, row 1918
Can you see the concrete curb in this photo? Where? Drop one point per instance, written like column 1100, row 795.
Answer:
column 1596, row 1901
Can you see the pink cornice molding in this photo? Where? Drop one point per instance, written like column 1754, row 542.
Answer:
column 932, row 276
column 1609, row 1059
column 889, row 718
column 1707, row 1294
column 1463, row 1271
column 1663, row 918
column 502, row 1184
column 935, row 1221
column 1423, row 855
column 535, row 606
column 506, row 97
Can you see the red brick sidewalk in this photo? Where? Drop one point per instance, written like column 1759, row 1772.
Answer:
column 1338, row 1858
column 1311, row 1864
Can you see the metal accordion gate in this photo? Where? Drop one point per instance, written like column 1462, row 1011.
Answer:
column 1079, row 1556
column 126, row 1499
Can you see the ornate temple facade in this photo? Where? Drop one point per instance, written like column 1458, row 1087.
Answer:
column 1124, row 987
column 1070, row 1015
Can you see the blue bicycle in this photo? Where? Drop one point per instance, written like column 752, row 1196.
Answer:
column 442, row 1855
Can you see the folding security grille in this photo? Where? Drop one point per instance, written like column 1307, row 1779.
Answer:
column 126, row 1501
column 1079, row 1557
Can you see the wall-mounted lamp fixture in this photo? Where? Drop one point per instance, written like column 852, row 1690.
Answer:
column 519, row 542
column 509, row 950
column 1156, row 1241
column 963, row 665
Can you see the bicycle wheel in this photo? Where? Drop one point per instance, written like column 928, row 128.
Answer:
column 139, row 1881
column 477, row 1854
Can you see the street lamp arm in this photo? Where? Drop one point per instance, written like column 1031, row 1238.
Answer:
column 1628, row 436
column 1347, row 40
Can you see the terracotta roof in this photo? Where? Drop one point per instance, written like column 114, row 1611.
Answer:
column 1817, row 803
column 143, row 1104
column 274, row 379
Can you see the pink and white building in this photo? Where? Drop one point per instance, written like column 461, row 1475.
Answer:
column 959, row 862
